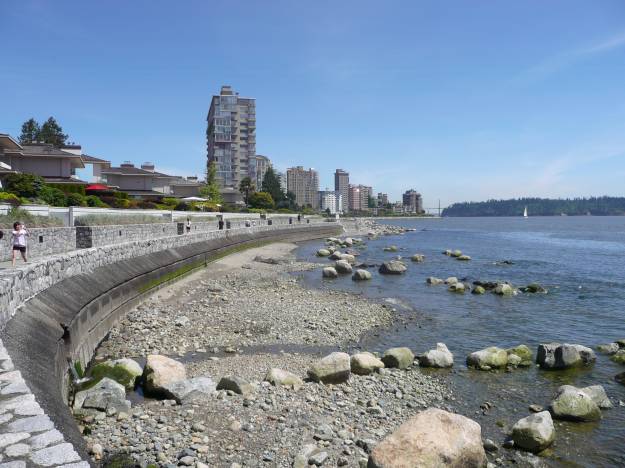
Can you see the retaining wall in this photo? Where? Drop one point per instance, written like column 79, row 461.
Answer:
column 88, row 290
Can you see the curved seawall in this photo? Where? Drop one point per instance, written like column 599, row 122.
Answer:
column 57, row 311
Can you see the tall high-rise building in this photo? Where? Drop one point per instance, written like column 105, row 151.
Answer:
column 304, row 184
column 382, row 200
column 260, row 166
column 231, row 137
column 331, row 200
column 359, row 197
column 412, row 201
column 341, row 185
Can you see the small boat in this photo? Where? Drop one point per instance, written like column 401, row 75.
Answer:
column 525, row 212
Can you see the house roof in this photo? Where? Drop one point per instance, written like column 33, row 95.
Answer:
column 46, row 149
column 93, row 160
column 126, row 170
column 64, row 180
column 7, row 142
column 144, row 193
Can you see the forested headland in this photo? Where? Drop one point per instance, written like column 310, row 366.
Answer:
column 596, row 206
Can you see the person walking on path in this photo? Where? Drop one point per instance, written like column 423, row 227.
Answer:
column 18, row 236
column 188, row 225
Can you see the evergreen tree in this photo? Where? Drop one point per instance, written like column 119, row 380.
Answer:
column 211, row 189
column 246, row 187
column 51, row 132
column 30, row 132
column 271, row 185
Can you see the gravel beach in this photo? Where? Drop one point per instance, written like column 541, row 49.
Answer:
column 241, row 317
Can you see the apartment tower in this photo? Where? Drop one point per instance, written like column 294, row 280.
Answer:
column 231, row 137
column 304, row 184
column 341, row 185
column 412, row 201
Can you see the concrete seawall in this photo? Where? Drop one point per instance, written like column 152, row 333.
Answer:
column 88, row 291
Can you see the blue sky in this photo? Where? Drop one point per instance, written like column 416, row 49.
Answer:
column 464, row 100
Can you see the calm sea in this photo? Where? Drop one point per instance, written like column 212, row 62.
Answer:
column 580, row 260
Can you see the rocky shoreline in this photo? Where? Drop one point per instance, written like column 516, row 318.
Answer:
column 241, row 318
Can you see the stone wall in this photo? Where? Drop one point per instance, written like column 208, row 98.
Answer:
column 42, row 242
column 89, row 290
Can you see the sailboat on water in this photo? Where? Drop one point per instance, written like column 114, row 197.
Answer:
column 525, row 212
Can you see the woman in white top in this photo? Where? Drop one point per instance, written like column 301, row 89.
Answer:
column 19, row 240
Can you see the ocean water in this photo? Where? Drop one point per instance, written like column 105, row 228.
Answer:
column 580, row 260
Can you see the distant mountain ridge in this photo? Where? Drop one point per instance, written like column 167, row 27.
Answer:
column 596, row 206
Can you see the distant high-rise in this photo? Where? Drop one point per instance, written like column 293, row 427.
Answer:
column 341, row 185
column 304, row 184
column 259, row 168
column 382, row 200
column 231, row 137
column 359, row 197
column 330, row 200
column 412, row 201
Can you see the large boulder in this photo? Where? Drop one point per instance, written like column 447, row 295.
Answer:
column 400, row 358
column 394, row 267
column 160, row 371
column 619, row 357
column 361, row 275
column 284, row 378
column 523, row 353
column 329, row 272
column 563, row 356
column 432, row 438
column 343, row 267
column 573, row 404
column 105, row 395
column 504, row 289
column 349, row 258
column 451, row 280
column 598, row 395
column 434, row 281
column 418, row 258
column 123, row 371
column 334, row 368
column 535, row 432
column 336, row 255
column 236, row 384
column 439, row 357
column 186, row 391
column 478, row 290
column 365, row 363
column 609, row 348
column 323, row 253
column 456, row 288
column 487, row 359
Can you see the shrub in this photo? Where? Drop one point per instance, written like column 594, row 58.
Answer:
column 76, row 199
column 147, row 205
column 10, row 198
column 53, row 196
column 182, row 206
column 170, row 201
column 24, row 185
column 95, row 202
column 69, row 188
column 121, row 195
column 261, row 200
column 17, row 214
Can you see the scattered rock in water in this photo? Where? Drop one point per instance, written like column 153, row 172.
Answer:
column 504, row 262
column 434, row 281
column 478, row 290
column 619, row 357
column 343, row 267
column 365, row 363
column 609, row 348
column 598, row 395
column 400, row 358
column 523, row 353
column 536, row 408
column 564, row 356
column 533, row 288
column 361, row 275
column 336, row 255
column 451, row 280
column 277, row 377
column 104, row 396
column 534, row 433
column 189, row 390
column 124, row 371
column 329, row 272
column 487, row 285
column 418, row 258
column 351, row 259
column 489, row 358
column 323, row 253
column 334, row 368
column 432, row 438
column 574, row 404
column 447, row 252
column 391, row 248
column 463, row 258
column 160, row 371
column 504, row 289
column 620, row 378
column 440, row 357
column 456, row 287
column 456, row 253
column 236, row 384
column 394, row 267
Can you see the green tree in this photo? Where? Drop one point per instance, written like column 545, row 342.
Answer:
column 53, row 196
column 371, row 203
column 51, row 132
column 30, row 132
column 23, row 185
column 271, row 185
column 246, row 187
column 211, row 189
column 262, row 200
